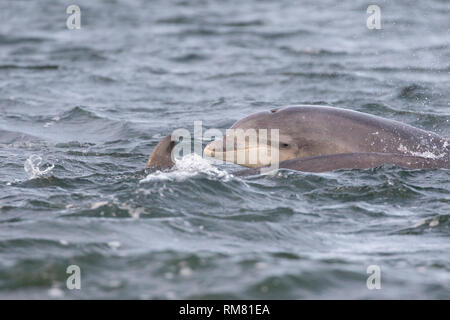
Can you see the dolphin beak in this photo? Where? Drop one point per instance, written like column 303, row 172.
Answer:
column 247, row 155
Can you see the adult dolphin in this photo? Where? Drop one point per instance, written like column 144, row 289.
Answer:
column 343, row 138
column 319, row 138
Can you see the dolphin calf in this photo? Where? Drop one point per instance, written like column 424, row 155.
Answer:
column 321, row 138
column 161, row 157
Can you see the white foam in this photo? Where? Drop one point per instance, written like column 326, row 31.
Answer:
column 426, row 154
column 99, row 204
column 114, row 244
column 32, row 165
column 55, row 292
column 50, row 123
column 187, row 167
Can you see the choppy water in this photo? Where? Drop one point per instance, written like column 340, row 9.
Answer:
column 81, row 111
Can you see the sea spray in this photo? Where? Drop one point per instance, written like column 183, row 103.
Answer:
column 186, row 167
column 32, row 167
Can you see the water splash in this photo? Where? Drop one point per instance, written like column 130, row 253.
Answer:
column 437, row 154
column 32, row 165
column 187, row 167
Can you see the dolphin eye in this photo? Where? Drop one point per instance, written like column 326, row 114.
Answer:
column 284, row 145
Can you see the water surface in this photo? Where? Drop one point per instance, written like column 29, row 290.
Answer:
column 89, row 105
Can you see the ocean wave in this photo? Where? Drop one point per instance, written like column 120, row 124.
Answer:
column 10, row 39
column 78, row 113
column 14, row 138
column 187, row 167
column 438, row 223
column 415, row 92
column 29, row 67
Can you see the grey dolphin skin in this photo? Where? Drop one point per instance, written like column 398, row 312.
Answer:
column 161, row 157
column 353, row 161
column 321, row 138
